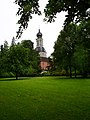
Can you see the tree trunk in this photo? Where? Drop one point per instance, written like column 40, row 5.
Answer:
column 16, row 76
column 75, row 72
column 70, row 72
column 67, row 73
column 70, row 66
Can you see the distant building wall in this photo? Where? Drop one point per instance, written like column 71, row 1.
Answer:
column 44, row 63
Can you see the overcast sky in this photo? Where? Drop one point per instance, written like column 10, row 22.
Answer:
column 8, row 26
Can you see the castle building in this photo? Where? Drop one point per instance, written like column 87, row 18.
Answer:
column 42, row 52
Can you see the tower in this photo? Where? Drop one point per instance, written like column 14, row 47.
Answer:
column 39, row 45
column 42, row 52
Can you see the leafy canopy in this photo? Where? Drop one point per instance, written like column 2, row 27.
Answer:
column 74, row 8
column 25, row 11
column 19, row 59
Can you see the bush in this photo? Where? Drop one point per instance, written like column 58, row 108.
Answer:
column 7, row 74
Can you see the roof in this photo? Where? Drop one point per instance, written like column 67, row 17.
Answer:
column 39, row 34
column 44, row 59
column 40, row 49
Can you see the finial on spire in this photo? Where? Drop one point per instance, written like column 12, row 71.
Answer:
column 39, row 30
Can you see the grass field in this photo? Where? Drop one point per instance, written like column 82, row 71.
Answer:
column 45, row 98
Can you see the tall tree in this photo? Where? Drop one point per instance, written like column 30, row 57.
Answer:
column 17, row 59
column 72, row 48
column 13, row 42
column 82, row 53
column 21, row 60
column 3, row 54
column 5, row 45
column 64, row 48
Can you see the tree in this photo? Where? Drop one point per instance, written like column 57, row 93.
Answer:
column 17, row 59
column 26, row 9
column 82, row 53
column 72, row 48
column 13, row 42
column 81, row 60
column 5, row 48
column 27, row 44
column 34, row 56
column 3, row 54
column 21, row 60
column 64, row 48
column 76, row 10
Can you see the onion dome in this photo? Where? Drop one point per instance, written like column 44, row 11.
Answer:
column 39, row 34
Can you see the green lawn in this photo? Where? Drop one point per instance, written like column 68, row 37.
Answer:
column 45, row 98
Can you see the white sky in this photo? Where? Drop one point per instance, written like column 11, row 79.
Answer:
column 8, row 26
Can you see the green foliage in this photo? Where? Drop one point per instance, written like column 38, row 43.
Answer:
column 72, row 49
column 27, row 44
column 13, row 42
column 17, row 59
column 80, row 57
column 5, row 45
column 3, row 53
column 45, row 98
column 64, row 48
column 20, row 59
column 82, row 50
column 6, row 74
column 25, row 11
column 76, row 10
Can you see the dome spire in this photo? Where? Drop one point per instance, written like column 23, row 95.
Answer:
column 39, row 44
column 39, row 34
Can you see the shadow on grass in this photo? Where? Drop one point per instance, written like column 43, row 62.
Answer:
column 68, row 78
column 14, row 79
column 56, row 78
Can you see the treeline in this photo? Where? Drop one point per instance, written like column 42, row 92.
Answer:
column 71, row 54
column 19, row 59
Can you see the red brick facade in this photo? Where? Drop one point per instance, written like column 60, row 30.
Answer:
column 44, row 64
